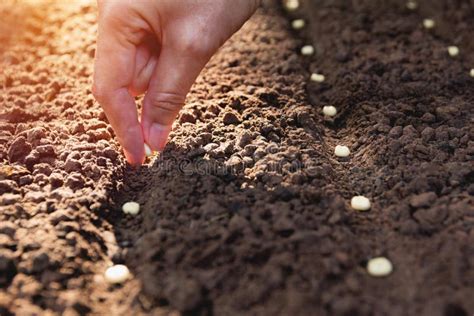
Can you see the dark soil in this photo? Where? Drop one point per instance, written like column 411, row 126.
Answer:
column 247, row 209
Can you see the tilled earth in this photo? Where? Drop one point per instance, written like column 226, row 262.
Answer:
column 247, row 210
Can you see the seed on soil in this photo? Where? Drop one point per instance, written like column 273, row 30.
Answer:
column 148, row 151
column 428, row 23
column 471, row 73
column 317, row 77
column 379, row 267
column 360, row 203
column 117, row 274
column 453, row 51
column 131, row 208
column 298, row 24
column 329, row 110
column 412, row 5
column 341, row 151
column 307, row 50
column 291, row 5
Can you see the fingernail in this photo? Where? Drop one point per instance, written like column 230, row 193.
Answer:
column 158, row 136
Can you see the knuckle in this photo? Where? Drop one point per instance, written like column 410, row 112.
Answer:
column 115, row 14
column 197, row 48
column 199, row 45
column 100, row 92
column 111, row 9
column 167, row 102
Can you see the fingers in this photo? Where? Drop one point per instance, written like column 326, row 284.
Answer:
column 175, row 72
column 121, row 112
column 113, row 74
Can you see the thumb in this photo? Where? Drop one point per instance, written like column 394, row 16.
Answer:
column 174, row 74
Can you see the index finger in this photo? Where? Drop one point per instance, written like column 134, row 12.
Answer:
column 113, row 74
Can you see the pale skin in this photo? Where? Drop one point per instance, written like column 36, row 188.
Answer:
column 156, row 47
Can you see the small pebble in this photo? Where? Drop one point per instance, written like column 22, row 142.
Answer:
column 412, row 5
column 360, row 203
column 317, row 77
column 117, row 274
column 298, row 24
column 453, row 51
column 307, row 50
column 379, row 267
column 428, row 23
column 341, row 151
column 329, row 110
column 131, row 208
column 148, row 151
column 471, row 73
column 291, row 5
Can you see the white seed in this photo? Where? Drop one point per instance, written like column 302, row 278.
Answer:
column 428, row 23
column 148, row 151
column 307, row 50
column 453, row 51
column 341, row 151
column 317, row 77
column 117, row 274
column 360, row 203
column 329, row 110
column 412, row 5
column 471, row 73
column 131, row 208
column 298, row 24
column 379, row 267
column 291, row 5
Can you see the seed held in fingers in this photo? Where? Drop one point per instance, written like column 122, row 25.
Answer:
column 118, row 273
column 298, row 24
column 341, row 151
column 307, row 50
column 453, row 51
column 329, row 110
column 132, row 208
column 379, row 267
column 148, row 151
column 317, row 77
column 428, row 23
column 360, row 203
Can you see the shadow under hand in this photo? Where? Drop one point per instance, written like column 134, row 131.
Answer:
column 204, row 232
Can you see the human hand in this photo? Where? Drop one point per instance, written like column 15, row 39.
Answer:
column 158, row 47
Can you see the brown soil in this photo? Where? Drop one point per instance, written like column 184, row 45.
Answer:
column 247, row 210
